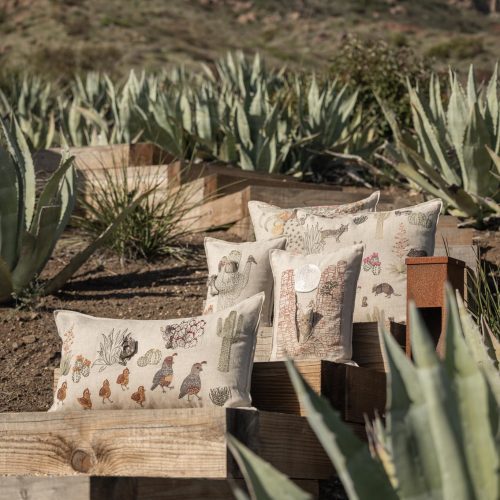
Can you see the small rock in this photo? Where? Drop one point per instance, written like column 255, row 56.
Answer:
column 28, row 339
column 15, row 345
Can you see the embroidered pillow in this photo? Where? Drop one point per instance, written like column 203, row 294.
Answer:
column 388, row 238
column 313, row 304
column 270, row 221
column 237, row 271
column 179, row 363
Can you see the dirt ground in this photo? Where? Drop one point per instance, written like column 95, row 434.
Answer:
column 105, row 286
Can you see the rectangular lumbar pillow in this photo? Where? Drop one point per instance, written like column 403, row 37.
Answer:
column 314, row 303
column 179, row 363
column 270, row 221
column 237, row 271
column 388, row 238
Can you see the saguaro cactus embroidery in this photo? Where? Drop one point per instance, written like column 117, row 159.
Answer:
column 379, row 230
column 230, row 330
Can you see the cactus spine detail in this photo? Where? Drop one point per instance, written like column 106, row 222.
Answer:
column 230, row 331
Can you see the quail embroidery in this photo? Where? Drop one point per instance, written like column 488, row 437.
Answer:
column 191, row 385
column 163, row 377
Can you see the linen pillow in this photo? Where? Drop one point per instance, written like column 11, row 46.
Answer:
column 270, row 221
column 388, row 237
column 313, row 304
column 178, row 363
column 237, row 271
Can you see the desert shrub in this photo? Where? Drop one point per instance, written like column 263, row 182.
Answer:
column 376, row 67
column 484, row 296
column 457, row 48
column 156, row 226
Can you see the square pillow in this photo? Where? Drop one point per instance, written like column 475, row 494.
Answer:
column 313, row 304
column 270, row 221
column 179, row 363
column 388, row 238
column 237, row 271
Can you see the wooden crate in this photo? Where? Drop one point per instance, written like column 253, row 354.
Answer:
column 353, row 391
column 100, row 158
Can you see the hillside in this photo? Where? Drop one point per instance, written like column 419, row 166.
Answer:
column 58, row 37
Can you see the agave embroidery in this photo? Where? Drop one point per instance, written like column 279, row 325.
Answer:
column 110, row 349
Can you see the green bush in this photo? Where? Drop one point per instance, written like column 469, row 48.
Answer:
column 457, row 48
column 375, row 67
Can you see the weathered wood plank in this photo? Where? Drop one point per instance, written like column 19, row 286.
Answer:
column 44, row 488
column 187, row 443
column 175, row 443
column 104, row 157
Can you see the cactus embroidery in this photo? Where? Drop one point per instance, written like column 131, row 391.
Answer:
column 372, row 263
column 231, row 279
column 229, row 330
column 151, row 357
column 220, row 395
column 81, row 368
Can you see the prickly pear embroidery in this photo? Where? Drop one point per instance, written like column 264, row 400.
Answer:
column 151, row 357
column 420, row 219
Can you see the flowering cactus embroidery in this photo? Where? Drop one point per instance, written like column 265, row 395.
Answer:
column 372, row 263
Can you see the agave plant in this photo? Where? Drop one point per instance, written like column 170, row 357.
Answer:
column 328, row 120
column 243, row 76
column 452, row 151
column 30, row 100
column 440, row 438
column 30, row 226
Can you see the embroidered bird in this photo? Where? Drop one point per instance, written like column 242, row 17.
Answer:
column 123, row 378
column 61, row 393
column 191, row 385
column 163, row 377
column 85, row 400
column 105, row 392
column 139, row 396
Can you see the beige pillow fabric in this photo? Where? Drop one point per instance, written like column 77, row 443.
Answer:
column 179, row 363
column 388, row 238
column 313, row 304
column 270, row 221
column 237, row 271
